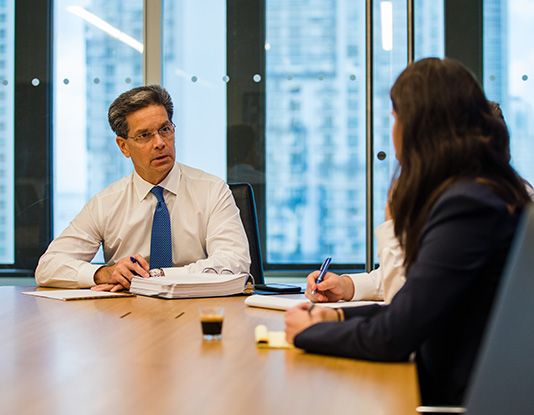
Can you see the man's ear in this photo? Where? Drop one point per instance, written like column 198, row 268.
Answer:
column 121, row 142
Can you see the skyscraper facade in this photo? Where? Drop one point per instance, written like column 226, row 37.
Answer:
column 112, row 68
column 6, row 131
column 315, row 130
column 316, row 120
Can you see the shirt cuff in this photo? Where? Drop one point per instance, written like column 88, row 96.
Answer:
column 367, row 286
column 86, row 275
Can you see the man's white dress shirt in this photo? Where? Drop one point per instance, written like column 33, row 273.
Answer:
column 207, row 231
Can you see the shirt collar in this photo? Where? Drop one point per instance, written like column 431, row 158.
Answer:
column 170, row 183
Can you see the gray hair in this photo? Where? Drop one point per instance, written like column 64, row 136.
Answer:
column 134, row 100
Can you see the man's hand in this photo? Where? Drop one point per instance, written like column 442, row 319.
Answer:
column 305, row 315
column 332, row 288
column 118, row 276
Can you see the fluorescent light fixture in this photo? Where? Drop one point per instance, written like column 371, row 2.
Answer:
column 386, row 20
column 106, row 27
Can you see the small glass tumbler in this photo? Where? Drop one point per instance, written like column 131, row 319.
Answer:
column 211, row 320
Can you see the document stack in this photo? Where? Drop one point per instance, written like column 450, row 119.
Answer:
column 189, row 285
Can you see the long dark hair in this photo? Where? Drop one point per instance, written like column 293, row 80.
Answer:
column 448, row 134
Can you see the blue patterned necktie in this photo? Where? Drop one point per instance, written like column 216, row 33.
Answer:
column 161, row 241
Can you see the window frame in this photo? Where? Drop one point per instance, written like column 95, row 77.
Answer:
column 245, row 56
column 33, row 134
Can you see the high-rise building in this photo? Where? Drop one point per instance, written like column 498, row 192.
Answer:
column 316, row 121
column 315, row 108
column 6, row 132
column 112, row 68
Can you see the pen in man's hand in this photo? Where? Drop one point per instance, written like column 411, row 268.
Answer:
column 154, row 272
column 135, row 261
column 322, row 271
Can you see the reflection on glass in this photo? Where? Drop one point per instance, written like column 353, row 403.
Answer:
column 429, row 23
column 97, row 56
column 388, row 64
column 194, row 73
column 508, row 75
column 7, row 43
column 315, row 132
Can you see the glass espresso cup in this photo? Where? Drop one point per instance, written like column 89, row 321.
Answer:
column 211, row 320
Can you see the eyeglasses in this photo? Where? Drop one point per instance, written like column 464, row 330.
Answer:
column 165, row 132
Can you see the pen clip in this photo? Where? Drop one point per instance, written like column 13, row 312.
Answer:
column 322, row 271
column 325, row 265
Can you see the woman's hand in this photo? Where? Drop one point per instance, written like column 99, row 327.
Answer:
column 333, row 288
column 305, row 315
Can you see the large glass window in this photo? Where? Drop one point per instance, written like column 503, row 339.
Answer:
column 98, row 51
column 508, row 73
column 312, row 157
column 98, row 54
column 6, row 132
column 315, row 130
column 194, row 73
column 310, row 164
column 390, row 57
column 429, row 28
column 316, row 120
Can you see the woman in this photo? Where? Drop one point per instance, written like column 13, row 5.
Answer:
column 455, row 206
column 383, row 283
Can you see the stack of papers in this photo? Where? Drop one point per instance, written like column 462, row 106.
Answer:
column 189, row 285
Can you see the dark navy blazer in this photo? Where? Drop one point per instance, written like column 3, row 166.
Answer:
column 441, row 311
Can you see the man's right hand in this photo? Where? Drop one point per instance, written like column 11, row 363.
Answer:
column 118, row 276
column 333, row 288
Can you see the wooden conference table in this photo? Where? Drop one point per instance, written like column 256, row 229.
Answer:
column 135, row 356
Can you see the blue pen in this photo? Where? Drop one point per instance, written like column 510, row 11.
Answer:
column 135, row 261
column 156, row 272
column 322, row 271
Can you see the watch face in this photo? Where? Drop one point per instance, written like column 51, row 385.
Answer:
column 156, row 272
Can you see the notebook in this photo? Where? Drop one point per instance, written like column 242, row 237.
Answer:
column 266, row 339
column 282, row 302
column 77, row 294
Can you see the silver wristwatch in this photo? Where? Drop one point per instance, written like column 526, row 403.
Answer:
column 156, row 272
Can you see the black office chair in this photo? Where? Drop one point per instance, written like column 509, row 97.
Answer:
column 244, row 199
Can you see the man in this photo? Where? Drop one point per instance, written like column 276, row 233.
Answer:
column 205, row 232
